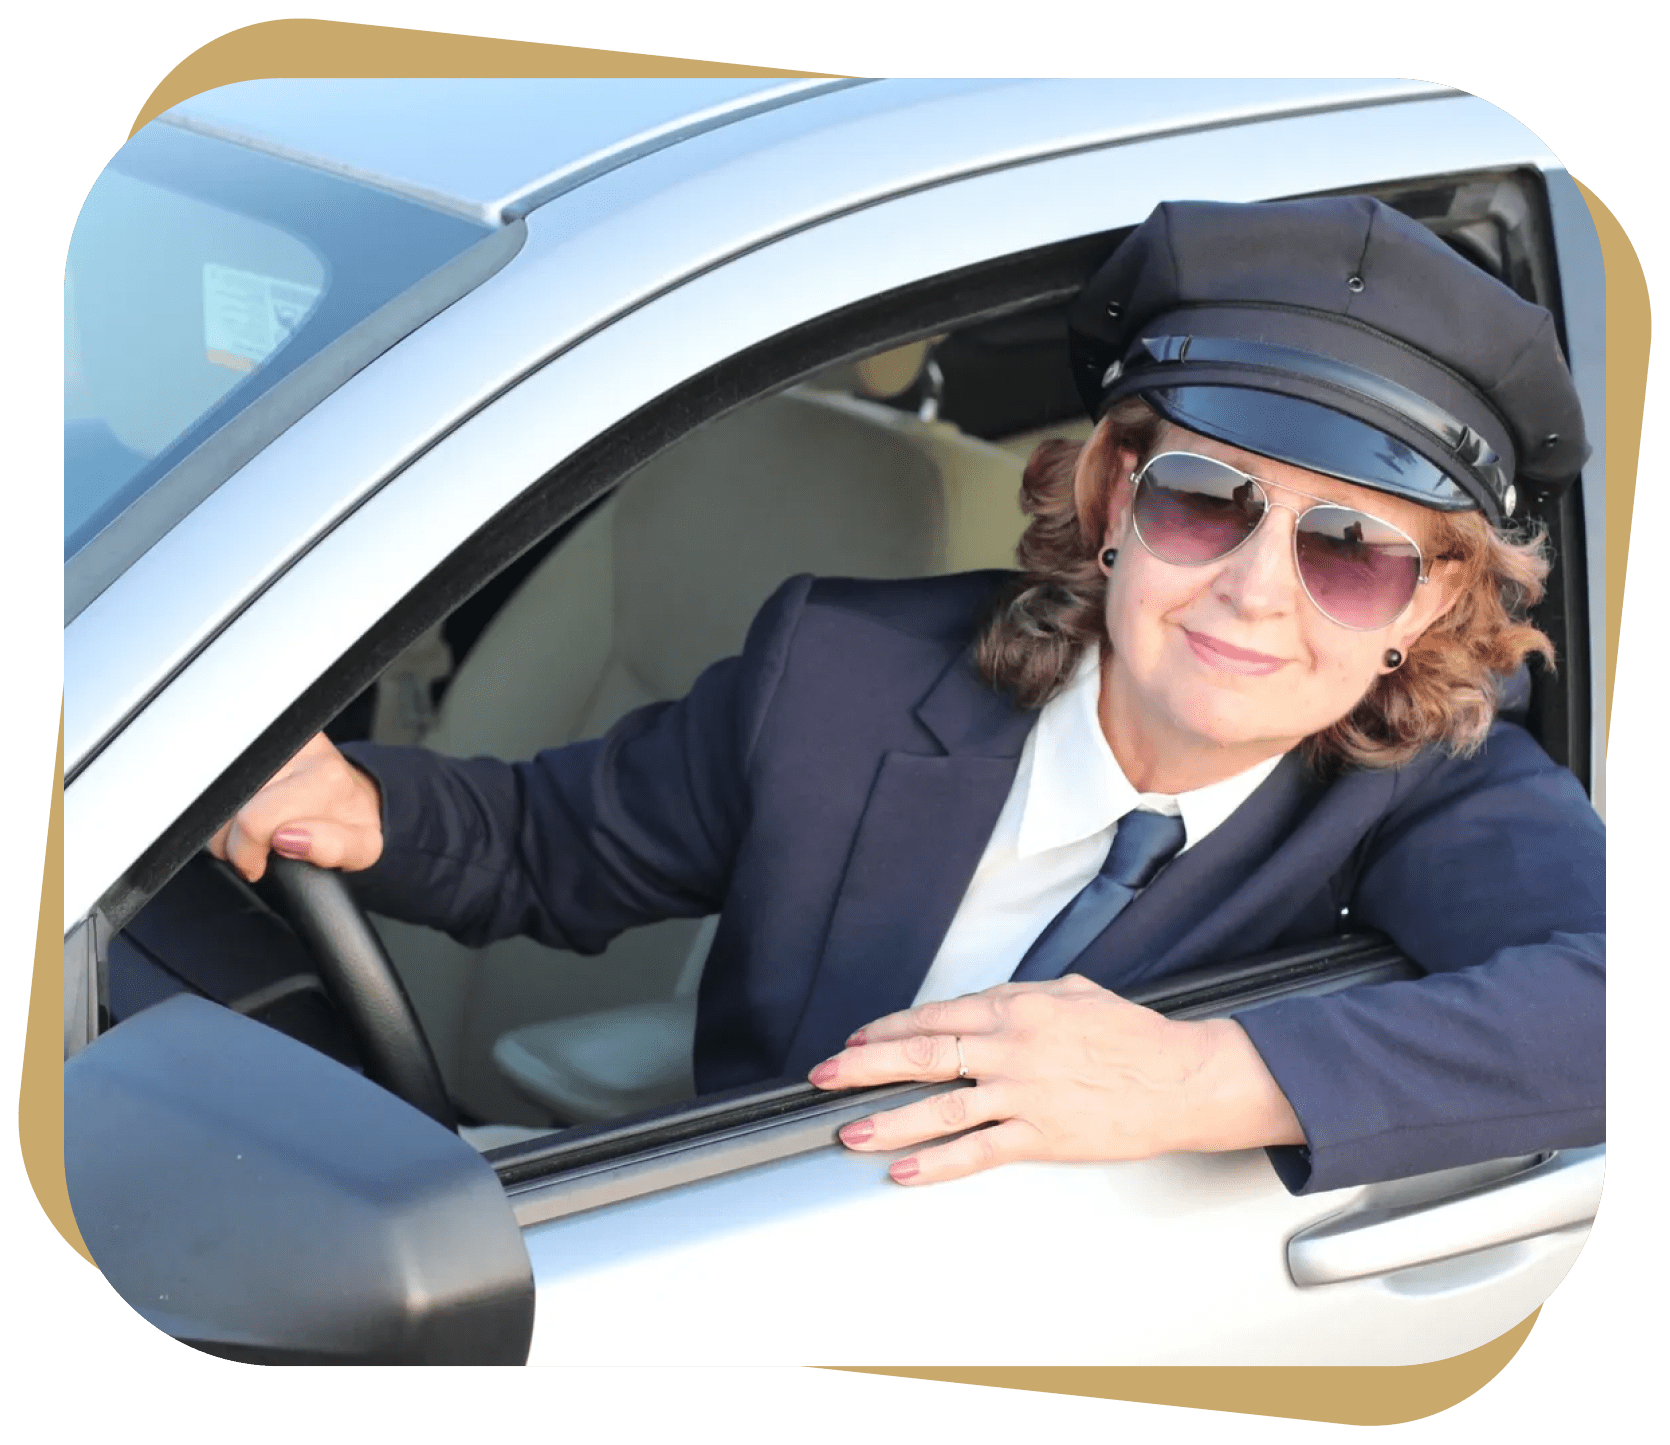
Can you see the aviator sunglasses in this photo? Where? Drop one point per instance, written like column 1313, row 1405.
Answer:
column 1360, row 572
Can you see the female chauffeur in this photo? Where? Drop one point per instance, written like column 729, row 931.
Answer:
column 1243, row 687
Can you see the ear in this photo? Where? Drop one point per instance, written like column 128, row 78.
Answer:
column 1117, row 527
column 1433, row 599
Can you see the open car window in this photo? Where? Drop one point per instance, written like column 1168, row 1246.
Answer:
column 887, row 441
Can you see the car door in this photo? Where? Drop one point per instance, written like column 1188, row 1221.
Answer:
column 696, row 1234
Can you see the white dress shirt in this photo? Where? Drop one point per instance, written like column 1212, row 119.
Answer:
column 1053, row 835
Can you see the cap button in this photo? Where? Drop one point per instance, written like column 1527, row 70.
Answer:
column 1353, row 283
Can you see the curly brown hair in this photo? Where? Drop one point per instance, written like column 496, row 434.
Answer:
column 1445, row 693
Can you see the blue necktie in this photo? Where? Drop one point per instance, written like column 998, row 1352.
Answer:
column 1142, row 844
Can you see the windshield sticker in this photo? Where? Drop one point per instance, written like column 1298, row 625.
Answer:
column 248, row 316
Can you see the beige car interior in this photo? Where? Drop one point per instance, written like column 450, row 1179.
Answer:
column 655, row 584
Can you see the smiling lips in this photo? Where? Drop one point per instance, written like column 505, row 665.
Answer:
column 1232, row 659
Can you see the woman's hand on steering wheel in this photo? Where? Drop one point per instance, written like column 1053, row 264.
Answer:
column 1063, row 1069
column 318, row 807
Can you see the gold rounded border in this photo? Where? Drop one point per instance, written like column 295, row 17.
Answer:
column 318, row 48
column 1336, row 1394
column 1342, row 1394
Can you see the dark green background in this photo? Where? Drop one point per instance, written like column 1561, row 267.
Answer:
column 1587, row 77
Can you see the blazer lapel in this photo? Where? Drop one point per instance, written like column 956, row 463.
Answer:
column 922, row 834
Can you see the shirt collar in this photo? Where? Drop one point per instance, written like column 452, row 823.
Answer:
column 1076, row 788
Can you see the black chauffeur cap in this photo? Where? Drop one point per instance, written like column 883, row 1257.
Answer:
column 1337, row 335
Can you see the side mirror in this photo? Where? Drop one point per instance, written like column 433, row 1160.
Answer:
column 260, row 1201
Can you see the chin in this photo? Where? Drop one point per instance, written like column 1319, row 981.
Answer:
column 1230, row 719
column 1225, row 732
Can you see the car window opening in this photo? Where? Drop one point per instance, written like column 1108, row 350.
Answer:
column 905, row 461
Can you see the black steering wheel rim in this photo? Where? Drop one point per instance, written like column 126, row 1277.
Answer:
column 357, row 973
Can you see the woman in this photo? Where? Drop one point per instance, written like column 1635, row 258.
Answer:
column 1242, row 695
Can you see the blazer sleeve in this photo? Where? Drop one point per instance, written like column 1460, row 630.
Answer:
column 581, row 842
column 1489, row 873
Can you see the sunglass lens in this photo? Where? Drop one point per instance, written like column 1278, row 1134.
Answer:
column 1358, row 571
column 1190, row 509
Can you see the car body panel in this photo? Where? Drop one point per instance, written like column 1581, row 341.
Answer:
column 820, row 1259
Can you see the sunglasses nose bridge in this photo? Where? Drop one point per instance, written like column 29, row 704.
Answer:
column 1261, row 576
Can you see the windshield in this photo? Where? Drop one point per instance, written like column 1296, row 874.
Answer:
column 200, row 275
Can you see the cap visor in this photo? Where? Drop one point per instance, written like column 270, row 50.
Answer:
column 1307, row 434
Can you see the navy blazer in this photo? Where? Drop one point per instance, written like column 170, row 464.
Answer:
column 830, row 792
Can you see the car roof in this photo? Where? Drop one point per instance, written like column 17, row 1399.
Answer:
column 488, row 149
column 493, row 150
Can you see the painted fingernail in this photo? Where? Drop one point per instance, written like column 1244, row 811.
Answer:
column 903, row 1169
column 292, row 842
column 824, row 1072
column 856, row 1039
column 858, row 1131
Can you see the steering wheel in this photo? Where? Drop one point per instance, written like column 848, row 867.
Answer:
column 357, row 973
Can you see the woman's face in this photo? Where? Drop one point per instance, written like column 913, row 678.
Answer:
column 1233, row 654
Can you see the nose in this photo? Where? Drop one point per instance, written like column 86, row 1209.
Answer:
column 1258, row 579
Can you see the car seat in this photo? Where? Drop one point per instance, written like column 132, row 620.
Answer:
column 658, row 582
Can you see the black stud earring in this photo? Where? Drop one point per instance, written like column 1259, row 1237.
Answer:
column 1109, row 556
column 1393, row 658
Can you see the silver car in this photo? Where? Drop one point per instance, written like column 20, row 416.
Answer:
column 476, row 413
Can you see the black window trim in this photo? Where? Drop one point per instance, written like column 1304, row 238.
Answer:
column 574, row 1170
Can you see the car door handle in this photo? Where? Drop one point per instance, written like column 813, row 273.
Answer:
column 1556, row 1193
